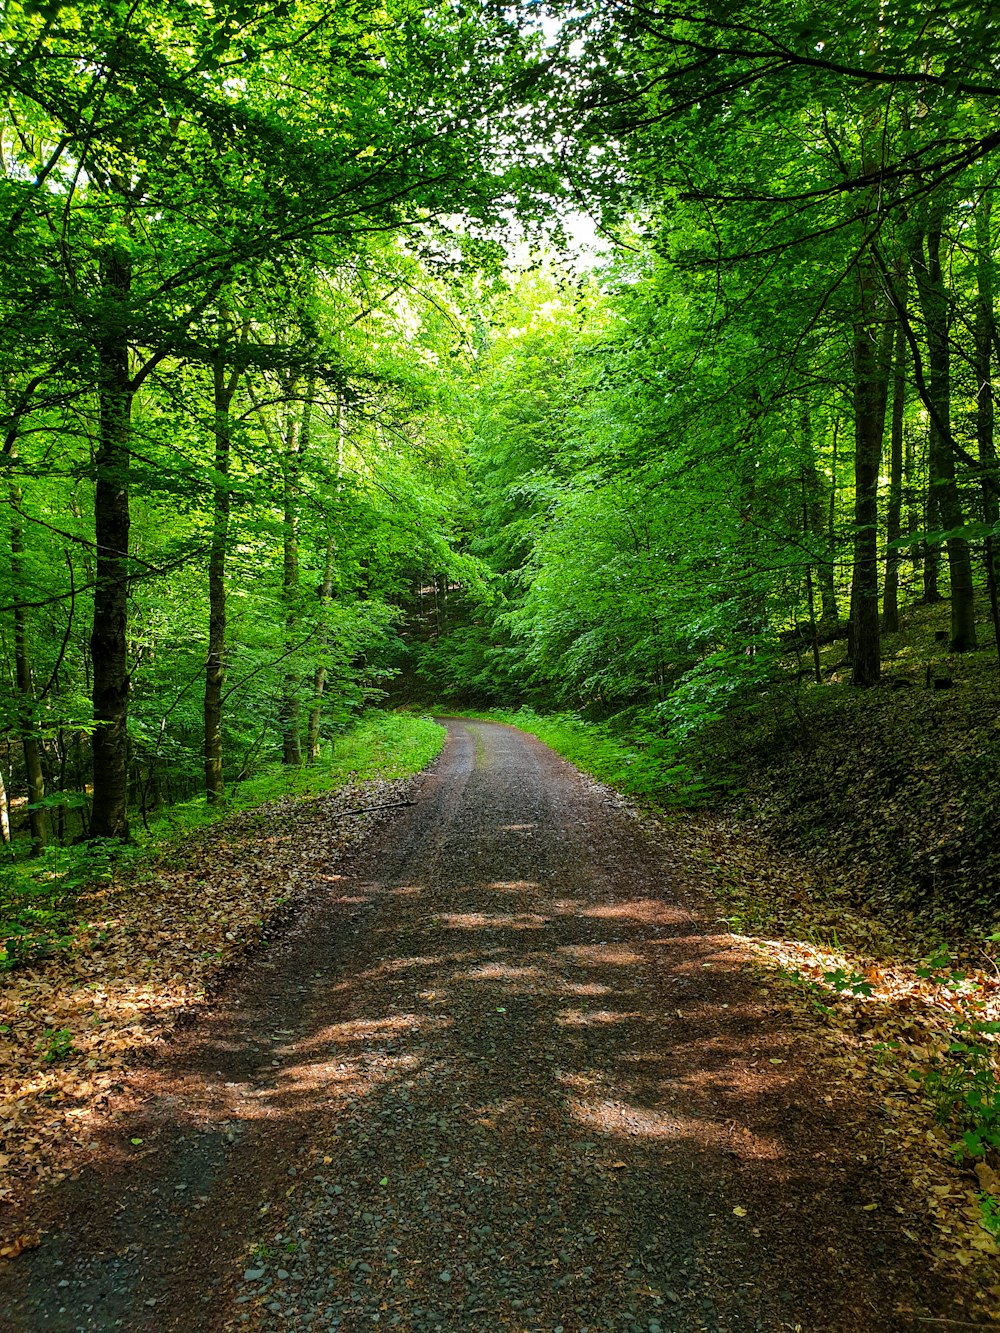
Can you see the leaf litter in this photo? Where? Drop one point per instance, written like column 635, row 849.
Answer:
column 888, row 1017
column 145, row 954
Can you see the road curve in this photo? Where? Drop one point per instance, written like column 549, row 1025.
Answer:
column 504, row 1076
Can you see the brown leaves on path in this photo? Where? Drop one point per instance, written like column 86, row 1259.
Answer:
column 147, row 952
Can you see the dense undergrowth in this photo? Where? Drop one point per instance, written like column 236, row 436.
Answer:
column 41, row 900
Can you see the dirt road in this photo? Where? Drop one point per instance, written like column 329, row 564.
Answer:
column 504, row 1077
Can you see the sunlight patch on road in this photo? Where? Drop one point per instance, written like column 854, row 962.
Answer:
column 580, row 1018
column 493, row 920
column 623, row 1118
column 491, row 1113
column 501, row 972
column 650, row 911
column 388, row 966
column 601, row 955
column 583, row 988
column 370, row 1030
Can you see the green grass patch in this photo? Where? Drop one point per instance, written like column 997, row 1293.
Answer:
column 381, row 747
column 39, row 898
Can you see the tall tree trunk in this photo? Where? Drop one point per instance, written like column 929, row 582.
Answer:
column 934, row 303
column 985, row 412
column 298, row 432
column 870, row 384
column 828, row 589
column 320, row 674
column 109, row 818
column 4, row 811
column 38, row 820
column 810, row 505
column 326, row 593
column 223, row 390
column 930, row 550
column 815, row 528
column 894, row 508
column 911, row 501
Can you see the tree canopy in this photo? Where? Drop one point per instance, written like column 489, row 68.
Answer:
column 305, row 400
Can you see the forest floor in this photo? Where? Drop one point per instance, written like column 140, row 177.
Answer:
column 505, row 1070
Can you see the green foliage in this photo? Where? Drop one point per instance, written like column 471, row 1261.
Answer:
column 853, row 982
column 38, row 898
column 963, row 1086
column 990, row 1208
column 56, row 1045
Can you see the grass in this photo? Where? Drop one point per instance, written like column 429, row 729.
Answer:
column 382, row 746
column 38, row 898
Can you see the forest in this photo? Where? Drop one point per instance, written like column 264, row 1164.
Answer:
column 626, row 373
column 312, row 398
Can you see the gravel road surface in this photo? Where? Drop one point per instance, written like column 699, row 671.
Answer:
column 503, row 1076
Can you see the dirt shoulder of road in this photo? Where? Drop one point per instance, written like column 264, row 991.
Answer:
column 148, row 956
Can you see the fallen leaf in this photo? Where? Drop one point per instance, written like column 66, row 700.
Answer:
column 29, row 1241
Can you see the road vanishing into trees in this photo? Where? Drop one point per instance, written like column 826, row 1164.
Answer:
column 503, row 1077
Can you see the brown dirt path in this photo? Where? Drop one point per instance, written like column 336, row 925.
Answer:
column 504, row 1078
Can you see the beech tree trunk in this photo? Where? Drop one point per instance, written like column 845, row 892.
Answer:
column 223, row 391
column 4, row 811
column 894, row 508
column 870, row 384
column 291, row 740
column 814, row 523
column 319, row 675
column 828, row 590
column 325, row 594
column 985, row 408
column 931, row 551
column 38, row 821
column 941, row 459
column 109, row 818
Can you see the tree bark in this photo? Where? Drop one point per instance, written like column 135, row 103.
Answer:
column 870, row 385
column 894, row 508
column 38, row 820
column 931, row 551
column 815, row 528
column 297, row 436
column 4, row 811
column 108, row 643
column 320, row 674
column 325, row 595
column 828, row 592
column 985, row 407
column 223, row 391
column 934, row 303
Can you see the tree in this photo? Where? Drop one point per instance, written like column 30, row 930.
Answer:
column 163, row 164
